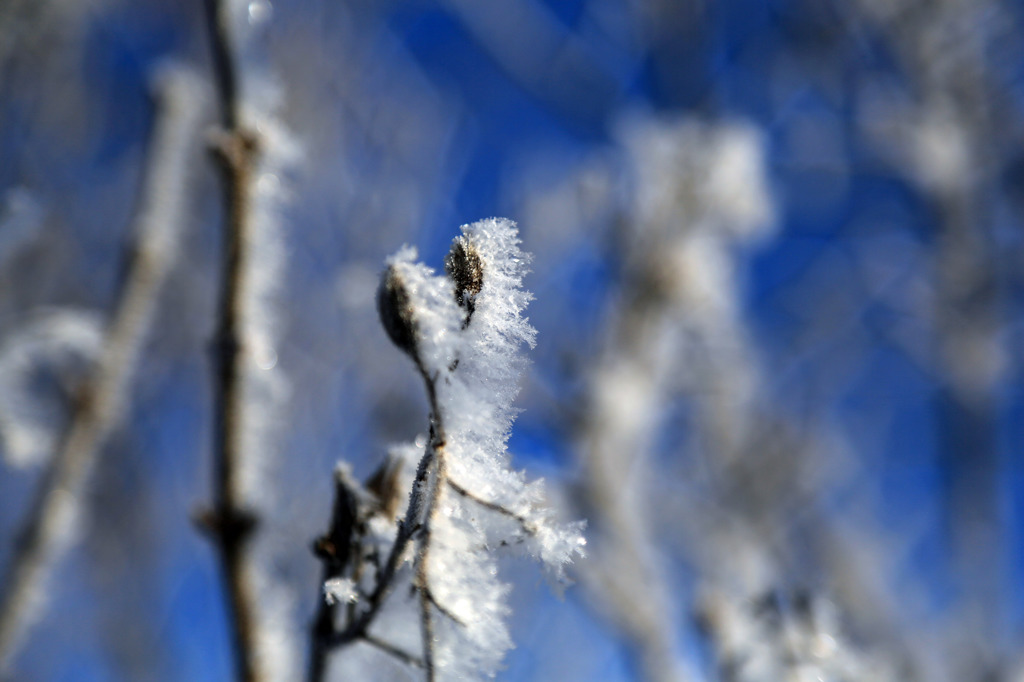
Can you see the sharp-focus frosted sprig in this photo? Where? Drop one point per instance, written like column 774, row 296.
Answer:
column 464, row 332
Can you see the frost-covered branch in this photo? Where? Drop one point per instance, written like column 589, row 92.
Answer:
column 391, row 650
column 333, row 549
column 947, row 135
column 463, row 333
column 439, row 462
column 254, row 150
column 100, row 402
column 229, row 522
column 339, row 551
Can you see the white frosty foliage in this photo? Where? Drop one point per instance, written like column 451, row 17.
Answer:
column 266, row 387
column 470, row 355
column 463, row 579
column 477, row 398
column 275, row 648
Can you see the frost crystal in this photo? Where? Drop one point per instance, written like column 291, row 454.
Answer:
column 340, row 591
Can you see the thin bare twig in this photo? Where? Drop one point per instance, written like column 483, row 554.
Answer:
column 230, row 522
column 100, row 404
column 416, row 524
column 440, row 463
column 444, row 610
column 524, row 524
column 392, row 650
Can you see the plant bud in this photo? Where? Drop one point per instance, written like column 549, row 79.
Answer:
column 396, row 313
column 466, row 269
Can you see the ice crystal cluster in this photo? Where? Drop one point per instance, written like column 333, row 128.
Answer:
column 464, row 330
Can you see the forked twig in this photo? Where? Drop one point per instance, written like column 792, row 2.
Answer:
column 429, row 318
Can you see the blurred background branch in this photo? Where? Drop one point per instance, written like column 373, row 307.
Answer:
column 96, row 406
column 229, row 521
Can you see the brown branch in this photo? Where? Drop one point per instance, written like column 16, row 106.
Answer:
column 100, row 403
column 230, row 522
column 440, row 463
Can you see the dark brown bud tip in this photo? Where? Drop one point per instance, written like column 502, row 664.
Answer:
column 396, row 313
column 466, row 269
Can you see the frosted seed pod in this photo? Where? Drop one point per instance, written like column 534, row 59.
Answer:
column 396, row 312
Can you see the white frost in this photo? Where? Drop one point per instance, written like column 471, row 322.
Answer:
column 62, row 343
column 340, row 591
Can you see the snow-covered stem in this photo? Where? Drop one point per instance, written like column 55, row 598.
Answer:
column 391, row 650
column 438, row 460
column 230, row 522
column 947, row 140
column 100, row 403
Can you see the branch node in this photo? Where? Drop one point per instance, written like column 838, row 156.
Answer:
column 226, row 525
column 235, row 148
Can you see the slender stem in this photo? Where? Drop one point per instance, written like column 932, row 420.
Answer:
column 392, row 650
column 224, row 70
column 100, row 403
column 230, row 521
column 416, row 523
column 426, row 622
column 434, row 496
